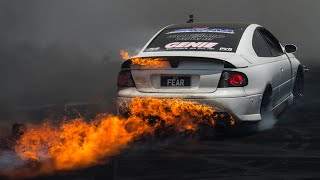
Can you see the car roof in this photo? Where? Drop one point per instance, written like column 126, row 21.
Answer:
column 204, row 24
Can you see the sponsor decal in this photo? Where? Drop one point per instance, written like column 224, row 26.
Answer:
column 204, row 30
column 195, row 37
column 191, row 45
column 153, row 49
column 225, row 49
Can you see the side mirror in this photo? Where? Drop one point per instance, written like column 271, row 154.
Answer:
column 290, row 48
column 305, row 68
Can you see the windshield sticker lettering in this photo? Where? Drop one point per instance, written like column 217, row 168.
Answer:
column 153, row 49
column 204, row 30
column 191, row 45
column 195, row 37
column 225, row 49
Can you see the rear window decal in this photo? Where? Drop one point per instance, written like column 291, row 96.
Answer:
column 197, row 39
column 207, row 30
column 191, row 45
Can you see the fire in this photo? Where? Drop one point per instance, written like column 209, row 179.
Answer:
column 78, row 144
column 176, row 113
column 125, row 55
column 151, row 62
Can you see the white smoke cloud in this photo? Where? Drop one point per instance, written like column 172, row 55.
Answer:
column 9, row 161
column 268, row 122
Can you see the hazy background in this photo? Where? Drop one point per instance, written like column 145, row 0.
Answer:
column 68, row 50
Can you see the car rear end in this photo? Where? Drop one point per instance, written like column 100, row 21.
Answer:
column 192, row 69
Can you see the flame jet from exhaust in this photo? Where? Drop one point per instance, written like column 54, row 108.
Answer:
column 125, row 55
column 151, row 62
column 76, row 144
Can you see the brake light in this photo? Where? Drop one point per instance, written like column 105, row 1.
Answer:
column 233, row 79
column 125, row 79
column 236, row 80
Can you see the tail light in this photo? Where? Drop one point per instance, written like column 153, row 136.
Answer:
column 233, row 79
column 125, row 79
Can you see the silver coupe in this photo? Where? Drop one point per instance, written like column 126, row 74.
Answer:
column 239, row 69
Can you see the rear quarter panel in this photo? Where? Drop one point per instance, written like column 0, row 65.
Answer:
column 260, row 75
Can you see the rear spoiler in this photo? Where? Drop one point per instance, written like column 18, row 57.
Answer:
column 235, row 59
column 174, row 61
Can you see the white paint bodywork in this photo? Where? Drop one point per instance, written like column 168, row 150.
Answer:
column 241, row 102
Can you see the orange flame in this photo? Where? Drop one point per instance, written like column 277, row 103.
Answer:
column 78, row 144
column 151, row 62
column 125, row 55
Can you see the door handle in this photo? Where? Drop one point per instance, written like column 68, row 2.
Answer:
column 281, row 69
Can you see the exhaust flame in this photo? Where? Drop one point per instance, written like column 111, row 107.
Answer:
column 78, row 144
column 125, row 55
column 151, row 62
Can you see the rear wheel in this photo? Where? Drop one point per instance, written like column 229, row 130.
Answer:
column 267, row 117
column 266, row 103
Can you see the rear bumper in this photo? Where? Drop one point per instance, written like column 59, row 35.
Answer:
column 237, row 104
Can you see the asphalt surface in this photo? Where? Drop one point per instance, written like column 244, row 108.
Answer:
column 290, row 150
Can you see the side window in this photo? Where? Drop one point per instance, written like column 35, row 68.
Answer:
column 260, row 46
column 273, row 42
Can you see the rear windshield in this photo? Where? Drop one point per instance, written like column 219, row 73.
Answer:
column 197, row 39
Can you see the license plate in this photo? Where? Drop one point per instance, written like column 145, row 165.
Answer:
column 175, row 81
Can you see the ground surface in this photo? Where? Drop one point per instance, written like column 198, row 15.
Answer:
column 291, row 150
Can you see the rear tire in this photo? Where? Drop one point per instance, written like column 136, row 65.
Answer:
column 267, row 117
column 266, row 103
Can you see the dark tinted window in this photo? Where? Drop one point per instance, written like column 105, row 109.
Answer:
column 260, row 46
column 222, row 39
column 273, row 42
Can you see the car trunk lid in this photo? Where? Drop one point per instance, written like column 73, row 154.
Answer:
column 178, row 74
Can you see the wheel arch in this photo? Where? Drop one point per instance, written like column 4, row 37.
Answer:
column 268, row 88
column 266, row 100
column 300, row 70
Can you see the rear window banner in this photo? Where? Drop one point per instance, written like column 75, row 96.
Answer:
column 196, row 39
column 191, row 45
column 202, row 30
